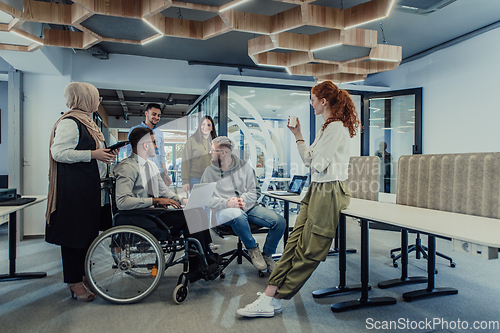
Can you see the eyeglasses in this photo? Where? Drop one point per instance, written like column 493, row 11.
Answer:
column 214, row 150
column 100, row 100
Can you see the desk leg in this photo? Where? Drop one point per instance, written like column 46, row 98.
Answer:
column 430, row 291
column 404, row 279
column 364, row 301
column 335, row 251
column 286, row 215
column 341, row 288
column 12, row 256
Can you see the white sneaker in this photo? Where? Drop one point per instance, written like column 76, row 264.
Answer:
column 271, row 264
column 256, row 258
column 262, row 307
column 276, row 303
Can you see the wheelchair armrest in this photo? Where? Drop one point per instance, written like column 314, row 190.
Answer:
column 142, row 211
column 151, row 213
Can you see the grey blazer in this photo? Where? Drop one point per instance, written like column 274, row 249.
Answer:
column 130, row 191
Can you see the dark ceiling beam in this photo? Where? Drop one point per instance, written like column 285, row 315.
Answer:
column 148, row 100
column 241, row 67
column 123, row 103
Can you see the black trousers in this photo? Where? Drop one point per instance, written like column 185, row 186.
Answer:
column 178, row 220
column 73, row 261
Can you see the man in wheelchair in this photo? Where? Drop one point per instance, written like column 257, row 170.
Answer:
column 139, row 187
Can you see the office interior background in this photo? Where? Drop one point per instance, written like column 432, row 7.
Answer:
column 455, row 67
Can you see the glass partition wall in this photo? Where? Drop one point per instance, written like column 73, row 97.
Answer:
column 393, row 127
column 255, row 115
column 257, row 118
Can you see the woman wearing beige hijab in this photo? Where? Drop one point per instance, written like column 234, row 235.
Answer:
column 77, row 165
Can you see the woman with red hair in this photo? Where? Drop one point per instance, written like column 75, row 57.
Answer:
column 315, row 226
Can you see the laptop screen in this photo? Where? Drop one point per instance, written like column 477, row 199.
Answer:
column 297, row 184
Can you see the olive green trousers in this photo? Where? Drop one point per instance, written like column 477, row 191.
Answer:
column 311, row 238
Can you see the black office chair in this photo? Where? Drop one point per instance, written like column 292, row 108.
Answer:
column 239, row 252
column 419, row 250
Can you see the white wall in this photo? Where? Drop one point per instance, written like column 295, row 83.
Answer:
column 4, row 148
column 460, row 95
column 130, row 72
column 43, row 104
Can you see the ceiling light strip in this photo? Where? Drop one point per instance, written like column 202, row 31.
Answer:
column 381, row 59
column 390, row 8
column 152, row 26
column 357, row 25
column 152, row 39
column 26, row 37
column 236, row 3
column 325, row 47
column 268, row 65
column 353, row 81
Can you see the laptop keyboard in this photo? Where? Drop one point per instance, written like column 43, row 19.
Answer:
column 17, row 202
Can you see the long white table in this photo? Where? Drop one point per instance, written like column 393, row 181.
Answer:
column 12, row 211
column 475, row 229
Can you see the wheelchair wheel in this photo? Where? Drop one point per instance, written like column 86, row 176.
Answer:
column 124, row 264
column 180, row 293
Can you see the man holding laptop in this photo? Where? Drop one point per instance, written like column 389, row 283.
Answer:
column 139, row 185
column 235, row 202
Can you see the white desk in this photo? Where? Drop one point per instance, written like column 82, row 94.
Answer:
column 12, row 210
column 479, row 230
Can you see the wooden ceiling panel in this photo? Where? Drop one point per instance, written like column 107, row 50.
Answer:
column 141, row 21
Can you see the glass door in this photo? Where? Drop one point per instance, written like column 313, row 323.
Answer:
column 392, row 127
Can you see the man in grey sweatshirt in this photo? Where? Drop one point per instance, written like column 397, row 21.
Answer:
column 235, row 202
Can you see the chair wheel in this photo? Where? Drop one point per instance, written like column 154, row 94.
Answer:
column 180, row 293
column 453, row 265
column 435, row 271
column 222, row 275
column 395, row 264
column 261, row 274
column 393, row 256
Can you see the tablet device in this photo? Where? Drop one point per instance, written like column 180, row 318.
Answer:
column 118, row 145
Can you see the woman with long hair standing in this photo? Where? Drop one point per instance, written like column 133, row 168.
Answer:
column 196, row 154
column 315, row 226
column 75, row 207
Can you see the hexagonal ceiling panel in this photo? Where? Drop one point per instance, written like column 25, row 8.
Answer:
column 118, row 27
column 342, row 53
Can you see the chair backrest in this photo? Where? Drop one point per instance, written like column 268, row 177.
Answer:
column 363, row 173
column 467, row 183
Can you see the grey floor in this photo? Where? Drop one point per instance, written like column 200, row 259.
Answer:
column 44, row 305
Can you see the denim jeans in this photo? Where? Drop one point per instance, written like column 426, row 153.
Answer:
column 258, row 215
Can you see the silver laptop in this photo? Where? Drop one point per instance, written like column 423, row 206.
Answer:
column 200, row 195
column 294, row 188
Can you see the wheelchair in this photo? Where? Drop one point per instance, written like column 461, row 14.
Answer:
column 125, row 263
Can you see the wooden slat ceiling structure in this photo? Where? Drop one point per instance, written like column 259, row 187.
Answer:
column 276, row 46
